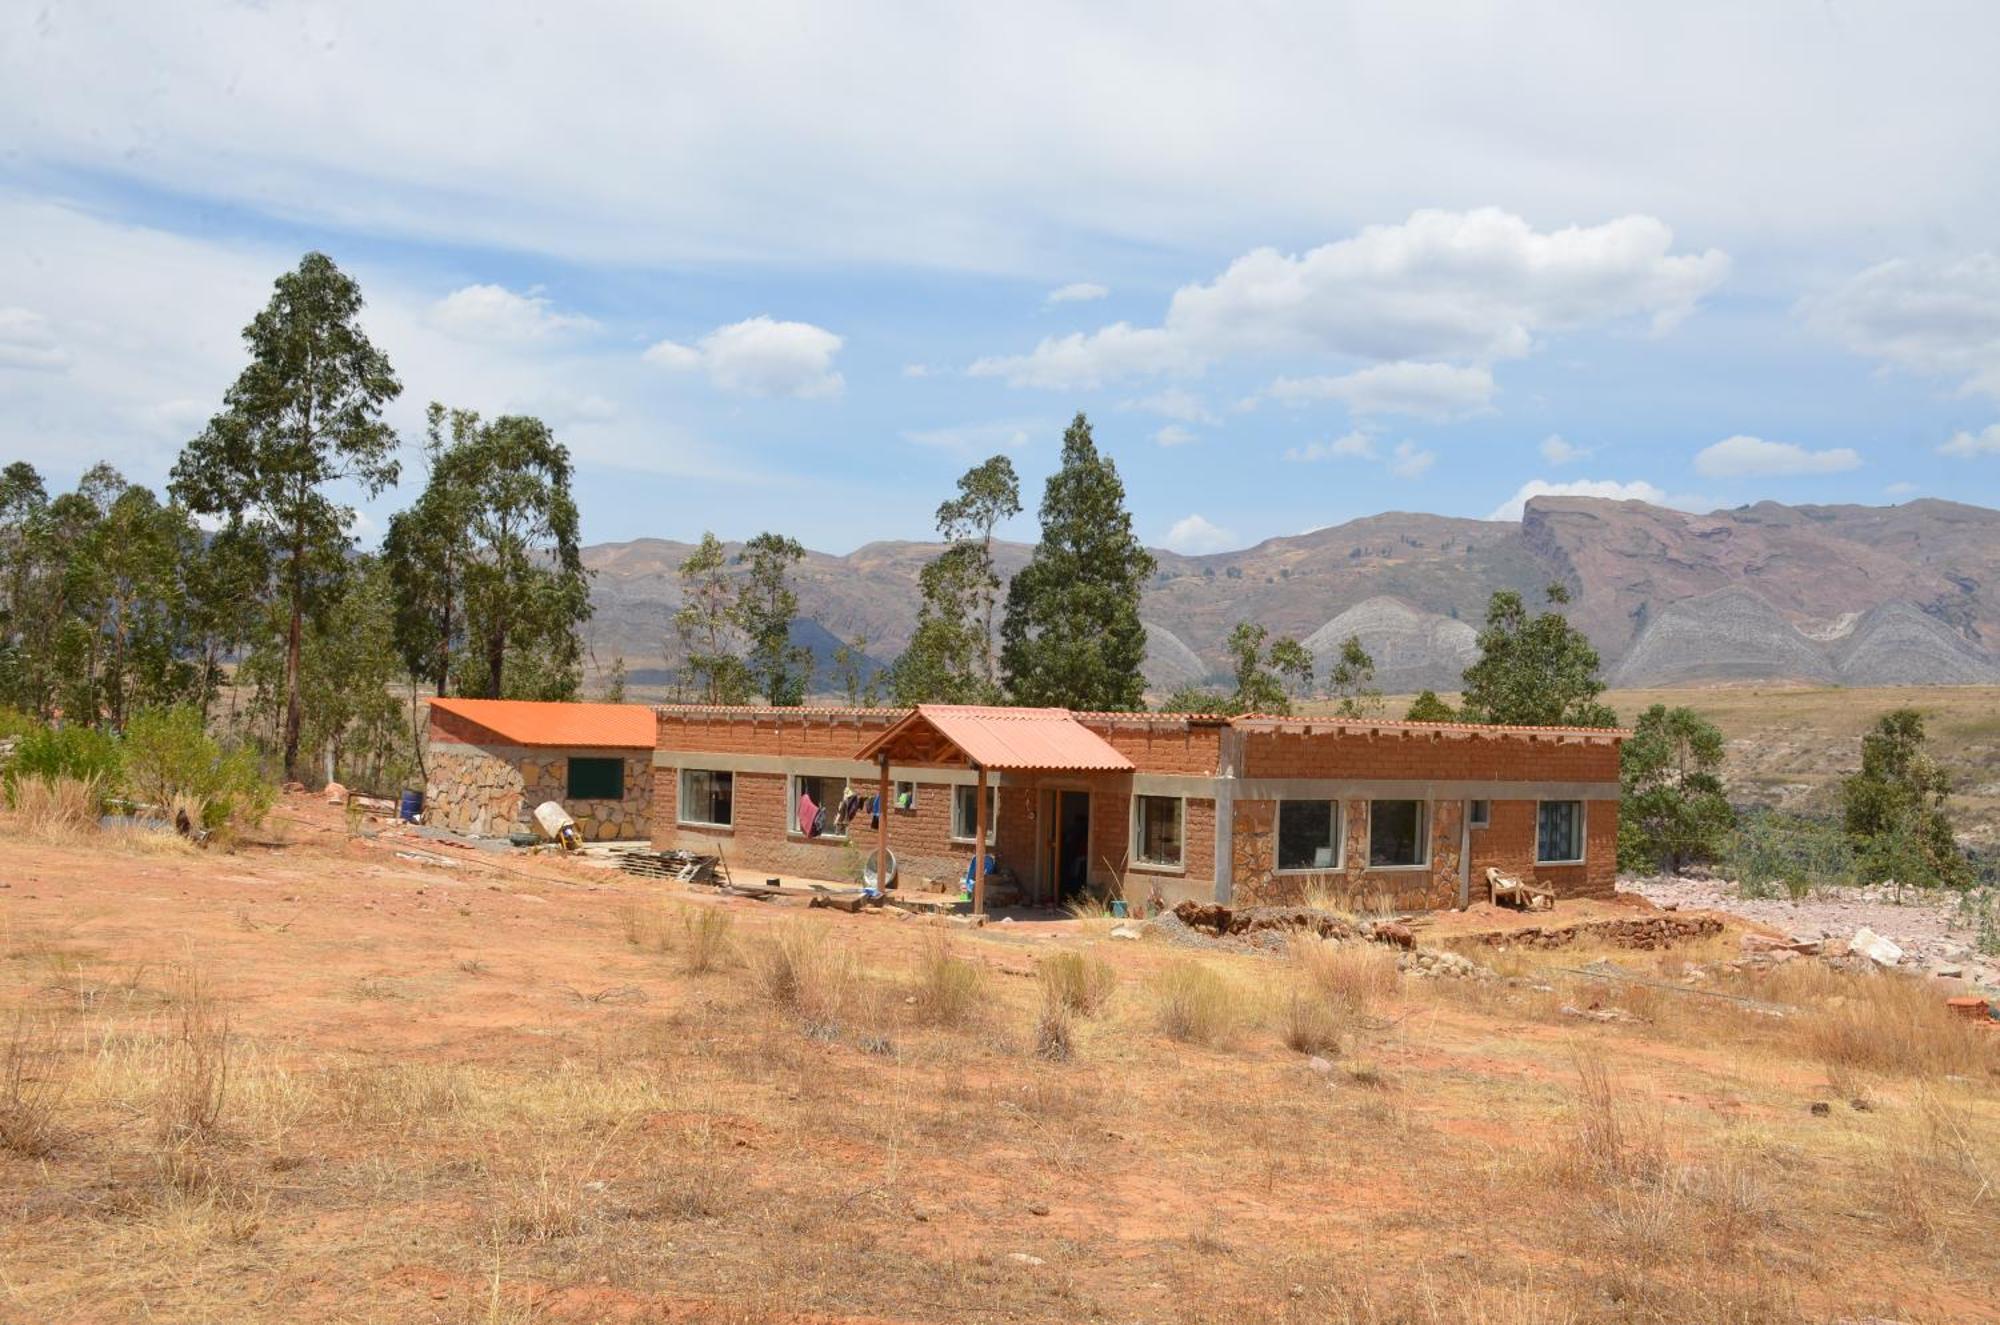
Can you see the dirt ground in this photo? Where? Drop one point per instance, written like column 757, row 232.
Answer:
column 310, row 1079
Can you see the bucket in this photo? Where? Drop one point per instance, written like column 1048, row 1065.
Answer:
column 412, row 807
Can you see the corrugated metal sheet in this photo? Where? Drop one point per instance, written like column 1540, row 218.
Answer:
column 1018, row 739
column 529, row 722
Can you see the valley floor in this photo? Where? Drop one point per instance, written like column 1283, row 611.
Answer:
column 315, row 1079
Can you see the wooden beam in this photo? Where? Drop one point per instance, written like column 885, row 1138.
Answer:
column 882, row 827
column 979, row 847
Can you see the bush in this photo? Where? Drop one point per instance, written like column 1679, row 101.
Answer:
column 1313, row 1024
column 57, row 809
column 85, row 753
column 948, row 986
column 1351, row 974
column 1079, row 982
column 1771, row 850
column 806, row 976
column 171, row 761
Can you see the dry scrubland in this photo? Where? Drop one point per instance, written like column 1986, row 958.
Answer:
column 314, row 1081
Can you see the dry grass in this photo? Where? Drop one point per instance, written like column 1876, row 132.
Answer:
column 1195, row 1004
column 194, row 1079
column 1311, row 1023
column 1896, row 1027
column 705, row 938
column 806, row 975
column 62, row 809
column 948, row 988
column 30, row 1091
column 1355, row 974
column 1081, row 982
column 1055, row 1030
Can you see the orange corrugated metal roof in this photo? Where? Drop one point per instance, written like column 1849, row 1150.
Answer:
column 1019, row 739
column 531, row 722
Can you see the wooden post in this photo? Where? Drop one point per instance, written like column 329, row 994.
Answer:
column 882, row 829
column 979, row 847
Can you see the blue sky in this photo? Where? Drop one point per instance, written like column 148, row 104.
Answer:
column 768, row 266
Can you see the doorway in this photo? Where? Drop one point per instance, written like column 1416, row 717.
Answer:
column 1066, row 852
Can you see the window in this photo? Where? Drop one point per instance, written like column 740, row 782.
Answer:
column 1559, row 833
column 825, row 794
column 905, row 797
column 1396, row 836
column 596, row 779
column 1308, row 835
column 965, row 811
column 707, row 797
column 1156, row 830
column 1480, row 814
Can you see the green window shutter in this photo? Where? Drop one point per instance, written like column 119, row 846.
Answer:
column 597, row 779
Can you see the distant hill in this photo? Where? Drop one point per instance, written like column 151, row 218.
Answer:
column 1861, row 595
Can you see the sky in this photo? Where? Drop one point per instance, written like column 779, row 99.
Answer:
column 796, row 267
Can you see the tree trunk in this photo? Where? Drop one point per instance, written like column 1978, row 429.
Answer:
column 294, row 710
column 496, row 663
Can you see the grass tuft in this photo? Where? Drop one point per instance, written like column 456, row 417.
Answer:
column 1082, row 983
column 1194, row 1004
column 948, row 986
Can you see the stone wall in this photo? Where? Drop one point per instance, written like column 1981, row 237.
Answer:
column 490, row 791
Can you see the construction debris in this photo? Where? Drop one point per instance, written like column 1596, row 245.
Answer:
column 1874, row 947
column 679, row 866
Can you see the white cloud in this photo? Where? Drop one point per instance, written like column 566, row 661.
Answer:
column 1354, row 446
column 1901, row 488
column 1559, row 452
column 976, row 438
column 1174, row 403
column 1434, row 391
column 27, row 342
column 1609, row 489
column 1966, row 445
column 495, row 313
column 916, row 370
column 1077, row 292
column 1753, row 457
column 1935, row 319
column 1195, row 535
column 760, row 356
column 1175, row 435
column 1411, row 461
column 1476, row 286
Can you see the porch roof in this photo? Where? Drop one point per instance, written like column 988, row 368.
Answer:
column 1005, row 739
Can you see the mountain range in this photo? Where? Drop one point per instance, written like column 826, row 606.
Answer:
column 1862, row 595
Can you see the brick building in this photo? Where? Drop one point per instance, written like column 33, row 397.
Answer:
column 1251, row 809
column 490, row 762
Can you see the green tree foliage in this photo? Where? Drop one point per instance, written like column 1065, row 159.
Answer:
column 1199, row 699
column 861, row 687
column 1675, row 811
column 1894, row 808
column 766, row 606
column 69, row 751
column 304, row 415
column 490, row 587
column 1427, row 707
column 1293, row 662
column 705, row 628
column 1534, row 670
column 1258, row 687
column 614, row 681
column 1071, row 636
column 950, row 655
column 1352, row 681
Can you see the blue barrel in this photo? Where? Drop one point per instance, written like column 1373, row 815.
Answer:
column 412, row 807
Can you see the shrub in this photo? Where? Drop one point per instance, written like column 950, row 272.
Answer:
column 49, row 753
column 171, row 761
column 806, row 976
column 1194, row 1004
column 1055, row 1031
column 1771, row 850
column 706, row 932
column 1080, row 982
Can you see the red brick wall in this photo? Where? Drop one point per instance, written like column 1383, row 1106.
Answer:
column 1425, row 755
column 821, row 734
column 1161, row 744
column 1510, row 845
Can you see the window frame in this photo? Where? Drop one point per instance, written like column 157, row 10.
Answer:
column 1424, row 821
column 896, row 794
column 1582, row 832
column 793, row 827
column 1473, row 818
column 681, row 798
column 992, row 813
column 1138, row 833
column 1339, row 836
column 570, row 762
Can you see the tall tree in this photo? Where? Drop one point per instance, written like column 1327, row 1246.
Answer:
column 705, row 627
column 1674, row 810
column 305, row 414
column 1351, row 681
column 1293, row 662
column 1534, row 670
column 766, row 606
column 427, row 547
column 987, row 494
column 1895, row 807
column 941, row 662
column 1258, row 689
column 1071, row 635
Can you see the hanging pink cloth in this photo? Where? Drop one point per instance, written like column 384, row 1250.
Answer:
column 808, row 814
